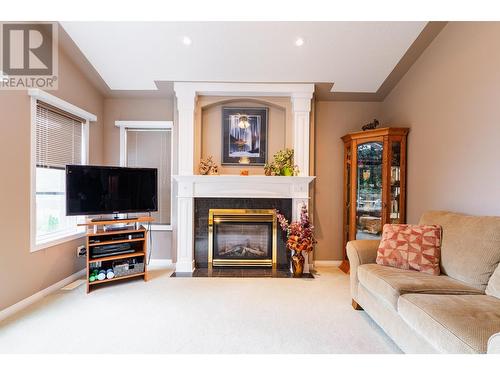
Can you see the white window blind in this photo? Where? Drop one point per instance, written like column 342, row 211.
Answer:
column 58, row 138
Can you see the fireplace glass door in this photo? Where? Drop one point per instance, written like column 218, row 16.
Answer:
column 242, row 237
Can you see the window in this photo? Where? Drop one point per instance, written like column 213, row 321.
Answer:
column 149, row 144
column 59, row 138
column 151, row 148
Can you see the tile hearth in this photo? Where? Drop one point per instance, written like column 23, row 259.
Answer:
column 241, row 272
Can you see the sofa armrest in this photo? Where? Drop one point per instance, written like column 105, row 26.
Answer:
column 494, row 344
column 360, row 252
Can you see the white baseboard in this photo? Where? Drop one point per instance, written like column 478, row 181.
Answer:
column 5, row 313
column 327, row 263
column 161, row 262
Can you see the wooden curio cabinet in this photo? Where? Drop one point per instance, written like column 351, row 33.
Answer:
column 374, row 183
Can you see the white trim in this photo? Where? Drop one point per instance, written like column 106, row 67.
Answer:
column 61, row 104
column 33, row 175
column 144, row 124
column 161, row 262
column 327, row 263
column 245, row 89
column 86, row 142
column 161, row 227
column 236, row 186
column 11, row 310
column 123, row 147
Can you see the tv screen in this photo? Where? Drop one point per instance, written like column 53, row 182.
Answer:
column 93, row 190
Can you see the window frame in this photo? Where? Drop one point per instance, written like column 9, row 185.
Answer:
column 124, row 126
column 35, row 95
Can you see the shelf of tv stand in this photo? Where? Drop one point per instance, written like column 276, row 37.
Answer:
column 113, row 232
column 117, row 278
column 116, row 241
column 116, row 257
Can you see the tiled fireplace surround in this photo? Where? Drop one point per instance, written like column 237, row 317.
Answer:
column 203, row 205
column 195, row 194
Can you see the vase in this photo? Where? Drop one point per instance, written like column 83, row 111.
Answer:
column 298, row 264
column 287, row 171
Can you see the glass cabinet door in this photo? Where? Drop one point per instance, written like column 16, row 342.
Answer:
column 395, row 193
column 369, row 190
column 347, row 209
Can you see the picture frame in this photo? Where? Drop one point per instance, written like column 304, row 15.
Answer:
column 244, row 135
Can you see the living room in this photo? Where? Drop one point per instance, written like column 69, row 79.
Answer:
column 250, row 187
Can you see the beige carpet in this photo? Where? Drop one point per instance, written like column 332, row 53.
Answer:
column 199, row 315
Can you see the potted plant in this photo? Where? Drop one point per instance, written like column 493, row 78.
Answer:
column 282, row 164
column 299, row 238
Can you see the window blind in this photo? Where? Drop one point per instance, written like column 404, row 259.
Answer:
column 58, row 138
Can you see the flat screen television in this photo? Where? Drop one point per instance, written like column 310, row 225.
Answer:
column 96, row 190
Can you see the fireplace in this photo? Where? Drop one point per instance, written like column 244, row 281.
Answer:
column 242, row 237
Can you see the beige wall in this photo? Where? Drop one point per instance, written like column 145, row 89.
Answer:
column 23, row 273
column 209, row 128
column 450, row 98
column 332, row 121
column 129, row 109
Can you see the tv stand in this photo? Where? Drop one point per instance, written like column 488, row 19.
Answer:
column 137, row 237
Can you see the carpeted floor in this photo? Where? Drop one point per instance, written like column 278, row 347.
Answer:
column 199, row 315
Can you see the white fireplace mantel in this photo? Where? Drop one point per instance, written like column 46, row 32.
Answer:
column 234, row 186
column 189, row 185
column 230, row 186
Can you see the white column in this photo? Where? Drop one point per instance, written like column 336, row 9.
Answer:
column 186, row 103
column 184, row 232
column 185, row 227
column 301, row 107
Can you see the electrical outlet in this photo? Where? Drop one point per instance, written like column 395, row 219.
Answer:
column 81, row 251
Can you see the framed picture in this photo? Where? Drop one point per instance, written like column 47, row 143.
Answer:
column 244, row 136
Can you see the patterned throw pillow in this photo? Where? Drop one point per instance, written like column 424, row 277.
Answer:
column 411, row 247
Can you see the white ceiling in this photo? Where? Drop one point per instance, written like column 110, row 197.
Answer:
column 356, row 56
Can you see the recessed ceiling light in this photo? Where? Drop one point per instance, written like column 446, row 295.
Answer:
column 299, row 42
column 186, row 40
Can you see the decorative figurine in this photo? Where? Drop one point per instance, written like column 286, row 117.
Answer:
column 371, row 125
column 208, row 166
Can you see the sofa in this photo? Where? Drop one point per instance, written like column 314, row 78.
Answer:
column 455, row 312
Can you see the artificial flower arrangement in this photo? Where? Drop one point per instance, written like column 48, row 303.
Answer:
column 299, row 238
column 282, row 164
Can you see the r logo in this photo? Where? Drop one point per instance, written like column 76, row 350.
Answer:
column 27, row 49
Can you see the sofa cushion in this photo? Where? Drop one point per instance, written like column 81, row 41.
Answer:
column 493, row 287
column 410, row 247
column 389, row 283
column 452, row 323
column 470, row 248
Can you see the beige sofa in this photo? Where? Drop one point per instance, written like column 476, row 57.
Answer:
column 456, row 312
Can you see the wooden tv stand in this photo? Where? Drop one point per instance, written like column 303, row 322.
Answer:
column 97, row 235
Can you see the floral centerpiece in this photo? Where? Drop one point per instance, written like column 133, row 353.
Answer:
column 299, row 238
column 282, row 164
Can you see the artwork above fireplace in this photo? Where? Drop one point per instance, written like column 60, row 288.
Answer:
column 242, row 237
